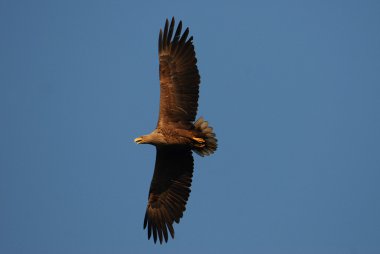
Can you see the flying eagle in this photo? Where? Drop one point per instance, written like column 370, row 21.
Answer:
column 176, row 135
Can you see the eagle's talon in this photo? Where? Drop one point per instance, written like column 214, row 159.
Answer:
column 199, row 140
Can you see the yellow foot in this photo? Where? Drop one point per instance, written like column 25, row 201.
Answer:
column 200, row 142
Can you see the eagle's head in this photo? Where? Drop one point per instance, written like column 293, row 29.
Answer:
column 154, row 138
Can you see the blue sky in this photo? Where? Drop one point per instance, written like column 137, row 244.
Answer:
column 292, row 89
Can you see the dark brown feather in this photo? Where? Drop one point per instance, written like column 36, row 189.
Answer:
column 179, row 77
column 171, row 29
column 169, row 191
column 176, row 38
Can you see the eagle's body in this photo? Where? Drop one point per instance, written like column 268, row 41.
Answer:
column 176, row 134
column 187, row 138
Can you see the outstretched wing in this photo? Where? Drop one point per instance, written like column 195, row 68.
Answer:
column 169, row 191
column 179, row 76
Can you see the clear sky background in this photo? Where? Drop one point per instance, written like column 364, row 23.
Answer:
column 292, row 89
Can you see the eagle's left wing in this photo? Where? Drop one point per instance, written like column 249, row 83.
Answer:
column 179, row 77
column 169, row 191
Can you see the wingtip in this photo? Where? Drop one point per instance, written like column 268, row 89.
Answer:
column 145, row 220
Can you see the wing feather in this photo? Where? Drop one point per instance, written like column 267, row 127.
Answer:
column 171, row 29
column 169, row 191
column 176, row 38
column 165, row 38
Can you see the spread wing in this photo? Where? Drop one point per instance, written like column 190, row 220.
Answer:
column 169, row 191
column 179, row 76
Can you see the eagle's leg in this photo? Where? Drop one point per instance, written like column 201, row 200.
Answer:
column 199, row 142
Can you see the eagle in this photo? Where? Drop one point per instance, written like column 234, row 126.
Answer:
column 177, row 134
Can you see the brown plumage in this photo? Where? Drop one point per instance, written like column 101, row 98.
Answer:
column 176, row 134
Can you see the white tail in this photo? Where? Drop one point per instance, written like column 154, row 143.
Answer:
column 209, row 137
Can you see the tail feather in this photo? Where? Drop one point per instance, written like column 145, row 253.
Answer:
column 209, row 137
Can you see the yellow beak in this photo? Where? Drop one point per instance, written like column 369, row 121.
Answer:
column 138, row 140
